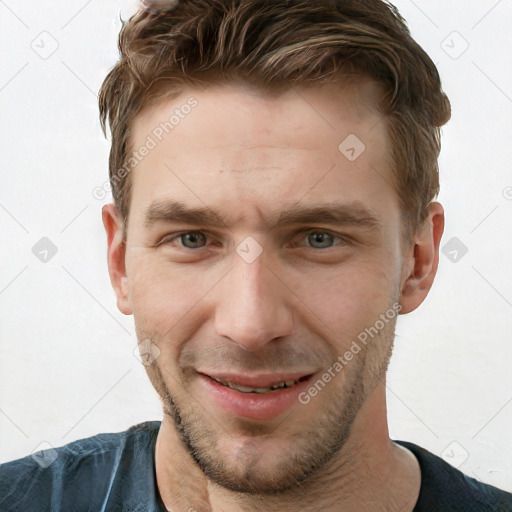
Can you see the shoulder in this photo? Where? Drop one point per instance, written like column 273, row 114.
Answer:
column 444, row 487
column 84, row 471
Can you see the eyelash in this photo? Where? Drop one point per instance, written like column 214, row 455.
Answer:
column 168, row 239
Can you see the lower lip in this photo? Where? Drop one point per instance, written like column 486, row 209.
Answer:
column 256, row 406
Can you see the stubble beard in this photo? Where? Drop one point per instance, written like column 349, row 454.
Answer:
column 311, row 449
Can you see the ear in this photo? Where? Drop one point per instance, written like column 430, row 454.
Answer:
column 422, row 259
column 116, row 253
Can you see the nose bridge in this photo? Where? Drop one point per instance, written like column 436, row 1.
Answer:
column 251, row 307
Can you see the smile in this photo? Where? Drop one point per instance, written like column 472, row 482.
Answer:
column 262, row 397
column 268, row 389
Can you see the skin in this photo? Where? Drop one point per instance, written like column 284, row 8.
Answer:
column 248, row 155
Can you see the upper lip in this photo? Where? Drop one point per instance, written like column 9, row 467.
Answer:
column 256, row 381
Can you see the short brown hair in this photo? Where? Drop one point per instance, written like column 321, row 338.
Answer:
column 274, row 43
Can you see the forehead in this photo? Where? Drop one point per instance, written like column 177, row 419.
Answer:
column 236, row 145
column 305, row 110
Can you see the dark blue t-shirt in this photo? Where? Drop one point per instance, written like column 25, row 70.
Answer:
column 116, row 472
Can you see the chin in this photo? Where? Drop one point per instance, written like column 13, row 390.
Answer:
column 264, row 464
column 267, row 476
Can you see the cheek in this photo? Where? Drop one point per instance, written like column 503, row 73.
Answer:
column 161, row 296
column 347, row 299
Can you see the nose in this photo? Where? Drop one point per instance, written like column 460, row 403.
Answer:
column 252, row 307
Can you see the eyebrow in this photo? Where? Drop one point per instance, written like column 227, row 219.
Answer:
column 176, row 212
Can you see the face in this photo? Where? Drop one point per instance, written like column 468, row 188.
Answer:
column 258, row 254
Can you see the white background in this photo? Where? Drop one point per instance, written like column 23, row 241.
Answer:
column 67, row 364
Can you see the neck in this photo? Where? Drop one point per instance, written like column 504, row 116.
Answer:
column 370, row 472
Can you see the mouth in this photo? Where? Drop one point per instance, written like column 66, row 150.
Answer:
column 260, row 397
column 282, row 384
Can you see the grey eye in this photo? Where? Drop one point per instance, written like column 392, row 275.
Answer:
column 324, row 240
column 195, row 239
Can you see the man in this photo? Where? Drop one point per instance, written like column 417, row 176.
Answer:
column 274, row 169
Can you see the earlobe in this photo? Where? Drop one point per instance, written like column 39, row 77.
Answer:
column 116, row 256
column 423, row 259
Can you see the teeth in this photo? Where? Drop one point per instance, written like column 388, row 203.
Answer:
column 245, row 389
